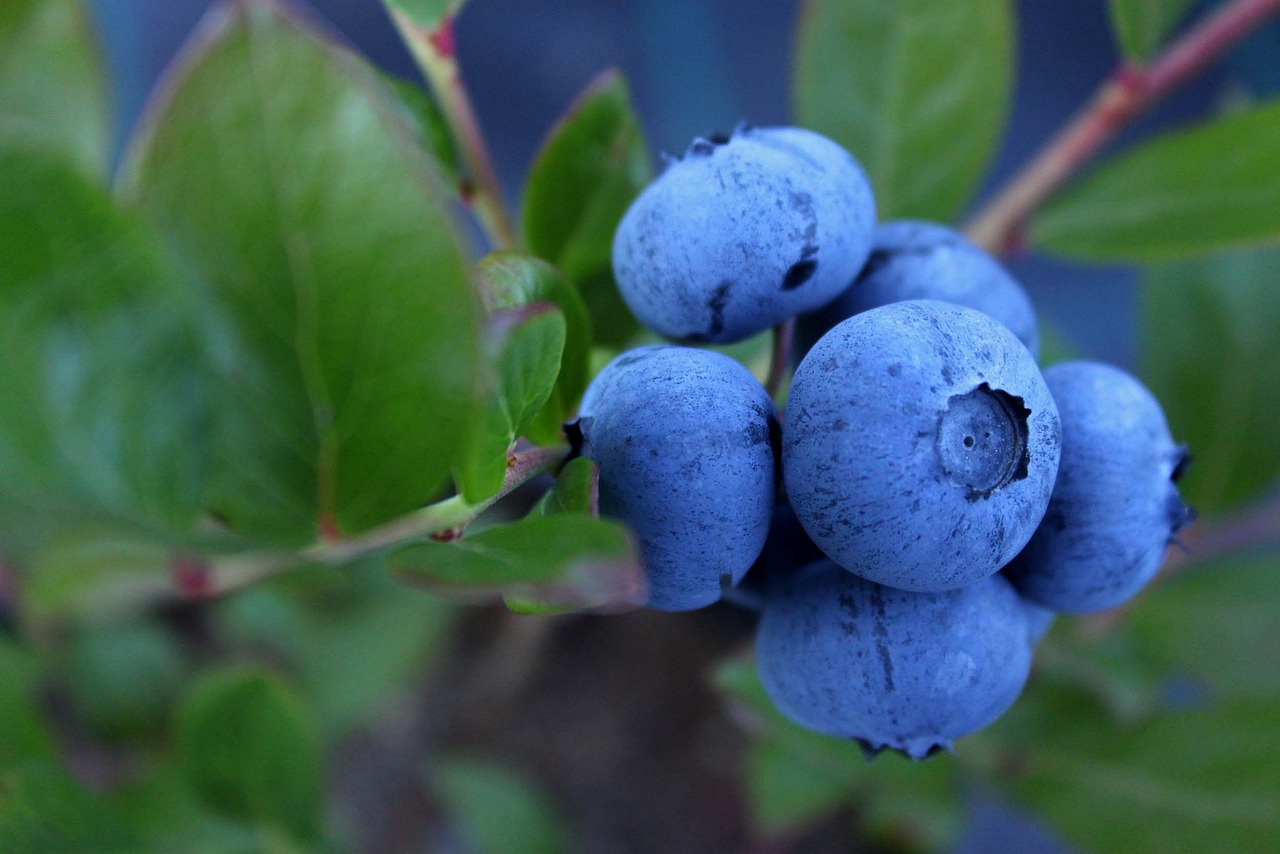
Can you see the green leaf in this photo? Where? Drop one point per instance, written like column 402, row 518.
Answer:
column 541, row 564
column 497, row 811
column 430, row 14
column 92, row 574
column 1141, row 25
column 591, row 166
column 24, row 735
column 511, row 280
column 1215, row 186
column 917, row 90
column 576, row 490
column 103, row 410
column 1199, row 780
column 427, row 121
column 795, row 776
column 249, row 749
column 1218, row 625
column 122, row 679
column 524, row 359
column 1209, row 354
column 53, row 86
column 44, row 811
column 326, row 242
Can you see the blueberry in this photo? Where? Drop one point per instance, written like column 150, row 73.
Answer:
column 743, row 233
column 1115, row 507
column 920, row 445
column 911, row 671
column 686, row 442
column 912, row 259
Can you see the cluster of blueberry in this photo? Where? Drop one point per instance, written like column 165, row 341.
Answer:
column 941, row 497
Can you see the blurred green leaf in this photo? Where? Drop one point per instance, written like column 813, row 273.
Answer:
column 1215, row 186
column 426, row 13
column 511, row 280
column 249, row 749
column 542, row 564
column 44, row 811
column 576, row 490
column 917, row 90
column 427, row 121
column 1200, row 780
column 1141, row 25
column 1212, row 357
column 123, row 678
column 95, row 575
column 97, row 421
column 497, row 811
column 523, row 356
column 325, row 239
column 1217, row 624
column 795, row 776
column 591, row 166
column 165, row 812
column 362, row 658
column 53, row 86
column 24, row 735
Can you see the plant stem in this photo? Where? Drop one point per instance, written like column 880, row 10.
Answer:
column 433, row 50
column 780, row 356
column 1126, row 94
column 203, row 579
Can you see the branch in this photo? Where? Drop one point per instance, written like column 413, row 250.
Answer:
column 1130, row 91
column 197, row 578
column 780, row 356
column 433, row 50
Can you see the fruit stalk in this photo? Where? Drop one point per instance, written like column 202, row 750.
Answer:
column 433, row 50
column 1130, row 91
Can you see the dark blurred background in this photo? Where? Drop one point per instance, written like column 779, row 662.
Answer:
column 696, row 66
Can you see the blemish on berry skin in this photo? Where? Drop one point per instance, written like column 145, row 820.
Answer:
column 798, row 274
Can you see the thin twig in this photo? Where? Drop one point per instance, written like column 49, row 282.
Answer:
column 196, row 578
column 434, row 52
column 780, row 356
column 1126, row 94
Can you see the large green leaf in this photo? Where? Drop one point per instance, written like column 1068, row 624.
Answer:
column 248, row 748
column 103, row 410
column 1215, row 186
column 43, row 810
column 324, row 235
column 1199, row 780
column 24, row 735
column 1141, row 25
column 524, row 359
column 1218, row 625
column 53, row 86
column 593, row 163
column 1212, row 357
column 542, row 563
column 511, row 280
column 916, row 89
column 795, row 776
column 496, row 810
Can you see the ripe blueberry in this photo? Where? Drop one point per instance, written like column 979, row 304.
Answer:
column 1115, row 507
column 685, row 440
column 910, row 671
column 743, row 233
column 920, row 445
column 912, row 259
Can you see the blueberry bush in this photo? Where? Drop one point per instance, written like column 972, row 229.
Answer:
column 340, row 501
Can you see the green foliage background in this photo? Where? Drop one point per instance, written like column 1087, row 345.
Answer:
column 269, row 345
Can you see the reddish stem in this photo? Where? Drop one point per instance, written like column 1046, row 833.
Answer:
column 1126, row 94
